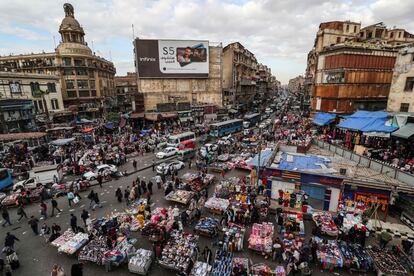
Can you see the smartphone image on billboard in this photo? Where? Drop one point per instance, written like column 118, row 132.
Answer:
column 187, row 55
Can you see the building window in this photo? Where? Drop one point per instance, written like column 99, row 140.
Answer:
column 35, row 106
column 355, row 29
column 404, row 107
column 92, row 84
column 338, row 40
column 93, row 93
column 34, row 88
column 81, row 72
column 69, row 72
column 347, row 28
column 70, row 84
column 40, row 104
column 83, row 94
column 391, row 35
column 15, row 88
column 399, row 34
column 83, row 84
column 71, row 94
column 79, row 62
column 369, row 35
column 51, row 87
column 55, row 104
column 409, row 84
column 67, row 61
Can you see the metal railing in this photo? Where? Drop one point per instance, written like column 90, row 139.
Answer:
column 376, row 165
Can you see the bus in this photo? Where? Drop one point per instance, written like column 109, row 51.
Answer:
column 225, row 128
column 175, row 140
column 5, row 178
column 251, row 120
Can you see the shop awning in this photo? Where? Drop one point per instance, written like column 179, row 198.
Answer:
column 140, row 115
column 88, row 129
column 265, row 156
column 152, row 117
column 186, row 119
column 404, row 132
column 323, row 118
column 367, row 121
column 169, row 115
column 62, row 142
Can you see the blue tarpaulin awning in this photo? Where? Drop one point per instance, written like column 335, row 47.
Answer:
column 367, row 121
column 265, row 155
column 323, row 118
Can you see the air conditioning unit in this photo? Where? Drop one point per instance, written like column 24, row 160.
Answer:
column 342, row 171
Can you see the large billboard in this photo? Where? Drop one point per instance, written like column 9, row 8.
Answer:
column 172, row 58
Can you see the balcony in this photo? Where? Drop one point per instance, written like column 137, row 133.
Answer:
column 247, row 82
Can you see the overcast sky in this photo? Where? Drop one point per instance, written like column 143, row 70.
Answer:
column 278, row 32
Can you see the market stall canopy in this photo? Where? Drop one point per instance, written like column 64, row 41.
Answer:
column 368, row 121
column 170, row 115
column 137, row 115
column 62, row 142
column 265, row 156
column 152, row 117
column 21, row 136
column 109, row 125
column 88, row 129
column 234, row 111
column 404, row 132
column 323, row 118
column 59, row 129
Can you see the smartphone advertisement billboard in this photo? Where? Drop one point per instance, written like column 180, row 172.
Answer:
column 172, row 58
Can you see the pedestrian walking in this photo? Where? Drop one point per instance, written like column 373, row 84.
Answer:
column 126, row 195
column 158, row 180
column 143, row 187
column 21, row 212
column 97, row 201
column 57, row 271
column 99, row 178
column 34, row 224
column 77, row 269
column 9, row 240
column 150, row 187
column 6, row 216
column 74, row 223
column 118, row 194
column 137, row 189
column 55, row 207
column 91, row 197
column 189, row 164
column 70, row 196
column 134, row 164
column 43, row 210
column 153, row 165
column 84, row 216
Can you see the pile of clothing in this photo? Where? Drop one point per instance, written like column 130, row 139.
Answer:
column 209, row 226
column 356, row 257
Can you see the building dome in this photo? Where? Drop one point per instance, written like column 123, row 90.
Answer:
column 70, row 29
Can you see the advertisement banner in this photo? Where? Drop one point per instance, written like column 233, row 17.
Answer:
column 172, row 58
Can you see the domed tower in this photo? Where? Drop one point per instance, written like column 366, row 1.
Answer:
column 70, row 29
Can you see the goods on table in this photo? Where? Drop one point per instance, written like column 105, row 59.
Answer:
column 216, row 204
column 218, row 167
column 119, row 254
column 222, row 263
column 223, row 157
column 352, row 207
column 233, row 237
column 207, row 226
column 10, row 200
column 356, row 257
column 62, row 239
column 201, row 269
column 329, row 255
column 261, row 237
column 180, row 196
column 196, row 181
column 141, row 262
column 94, row 251
column 261, row 270
column 74, row 244
column 227, row 187
column 293, row 222
column 178, row 251
column 324, row 221
column 133, row 208
column 386, row 262
column 241, row 265
column 280, row 271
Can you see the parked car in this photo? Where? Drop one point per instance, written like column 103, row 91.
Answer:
column 186, row 154
column 188, row 144
column 102, row 169
column 209, row 147
column 164, row 167
column 167, row 152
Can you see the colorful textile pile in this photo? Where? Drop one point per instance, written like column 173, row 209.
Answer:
column 209, row 226
column 94, row 251
column 356, row 257
column 324, row 221
column 201, row 269
column 141, row 262
column 329, row 255
column 216, row 203
column 261, row 237
column 74, row 244
column 222, row 264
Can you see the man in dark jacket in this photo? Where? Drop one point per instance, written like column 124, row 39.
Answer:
column 74, row 223
column 21, row 212
column 84, row 216
column 55, row 206
column 33, row 222
column 9, row 240
column 6, row 216
column 77, row 269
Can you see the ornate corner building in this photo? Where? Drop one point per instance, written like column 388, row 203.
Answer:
column 86, row 80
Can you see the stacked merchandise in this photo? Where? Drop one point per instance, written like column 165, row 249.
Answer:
column 261, row 270
column 222, row 263
column 180, row 196
column 385, row 262
column 217, row 205
column 94, row 251
column 120, row 253
column 196, row 182
column 329, row 255
column 261, row 237
column 178, row 251
column 133, row 208
column 141, row 262
column 219, row 166
column 241, row 266
column 293, row 222
column 404, row 259
column 207, row 227
column 233, row 237
column 292, row 243
column 74, row 244
column 350, row 220
column 62, row 239
column 324, row 221
column 355, row 257
column 227, row 187
column 280, row 270
column 201, row 269
column 352, row 207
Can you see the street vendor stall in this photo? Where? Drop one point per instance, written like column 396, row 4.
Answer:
column 293, row 223
column 329, row 255
column 74, row 244
column 158, row 225
column 141, row 262
column 201, row 269
column 241, row 266
column 261, row 238
column 219, row 167
column 62, row 239
column 217, row 205
column 120, row 254
column 94, row 251
column 208, row 227
column 178, row 251
column 227, row 187
column 324, row 221
column 262, row 270
column 385, row 262
column 222, row 263
column 233, row 237
column 196, row 181
column 356, row 257
column 180, row 196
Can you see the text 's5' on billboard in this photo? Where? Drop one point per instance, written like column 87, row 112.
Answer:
column 172, row 58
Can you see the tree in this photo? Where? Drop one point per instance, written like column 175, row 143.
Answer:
column 112, row 117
